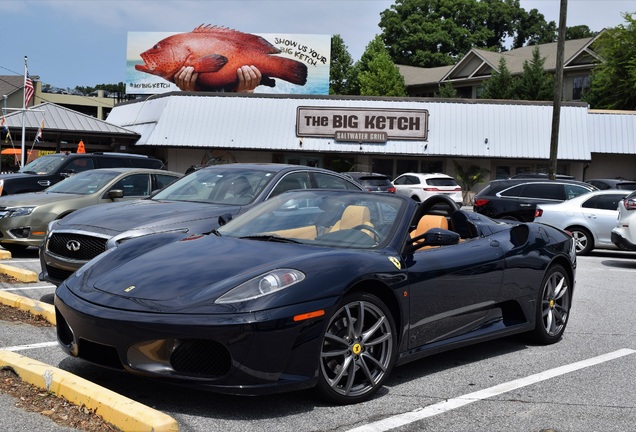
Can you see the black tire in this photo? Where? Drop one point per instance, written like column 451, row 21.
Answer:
column 553, row 306
column 583, row 240
column 358, row 350
column 13, row 248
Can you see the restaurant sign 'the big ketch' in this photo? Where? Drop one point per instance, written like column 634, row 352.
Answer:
column 362, row 124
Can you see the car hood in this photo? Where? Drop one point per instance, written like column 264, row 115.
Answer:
column 191, row 273
column 16, row 176
column 36, row 199
column 112, row 219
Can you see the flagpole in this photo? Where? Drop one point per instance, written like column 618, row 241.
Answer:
column 23, row 111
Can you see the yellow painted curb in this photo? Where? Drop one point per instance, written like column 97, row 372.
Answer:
column 35, row 307
column 20, row 274
column 120, row 411
column 5, row 254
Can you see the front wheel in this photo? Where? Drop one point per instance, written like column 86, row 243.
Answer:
column 553, row 306
column 358, row 350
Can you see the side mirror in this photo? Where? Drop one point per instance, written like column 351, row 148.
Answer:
column 433, row 237
column 67, row 173
column 115, row 193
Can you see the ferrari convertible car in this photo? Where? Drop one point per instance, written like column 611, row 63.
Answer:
column 316, row 288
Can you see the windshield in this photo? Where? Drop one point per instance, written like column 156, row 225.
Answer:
column 84, row 183
column 43, row 165
column 218, row 185
column 325, row 218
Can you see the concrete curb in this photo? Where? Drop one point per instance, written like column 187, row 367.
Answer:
column 45, row 310
column 22, row 275
column 120, row 411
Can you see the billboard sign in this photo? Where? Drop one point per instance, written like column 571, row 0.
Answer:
column 289, row 63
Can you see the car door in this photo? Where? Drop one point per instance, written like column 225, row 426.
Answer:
column 451, row 288
column 601, row 212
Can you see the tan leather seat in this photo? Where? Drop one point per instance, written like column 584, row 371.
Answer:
column 352, row 216
column 427, row 222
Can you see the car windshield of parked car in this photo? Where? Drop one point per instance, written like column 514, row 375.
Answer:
column 43, row 165
column 84, row 183
column 218, row 185
column 321, row 218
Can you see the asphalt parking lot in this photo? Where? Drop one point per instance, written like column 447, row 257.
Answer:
column 583, row 383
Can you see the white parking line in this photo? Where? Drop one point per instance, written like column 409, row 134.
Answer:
column 27, row 288
column 442, row 407
column 30, row 346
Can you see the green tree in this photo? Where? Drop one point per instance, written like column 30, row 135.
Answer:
column 501, row 84
column 579, row 32
column 430, row 33
column 340, row 67
column 613, row 81
column 446, row 90
column 376, row 74
column 469, row 177
column 535, row 83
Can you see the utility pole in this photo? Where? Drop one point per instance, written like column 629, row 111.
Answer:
column 558, row 92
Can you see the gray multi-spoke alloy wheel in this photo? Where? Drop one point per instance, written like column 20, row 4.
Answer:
column 358, row 349
column 583, row 240
column 553, row 305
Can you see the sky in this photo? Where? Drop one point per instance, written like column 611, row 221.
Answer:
column 71, row 43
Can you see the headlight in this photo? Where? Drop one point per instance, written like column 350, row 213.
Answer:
column 262, row 285
column 19, row 211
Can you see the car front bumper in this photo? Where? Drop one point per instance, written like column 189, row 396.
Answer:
column 239, row 353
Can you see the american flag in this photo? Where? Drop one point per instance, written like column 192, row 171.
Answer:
column 28, row 90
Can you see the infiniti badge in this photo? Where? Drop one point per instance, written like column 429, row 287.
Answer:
column 73, row 245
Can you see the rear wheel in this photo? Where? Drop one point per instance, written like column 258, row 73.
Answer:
column 358, row 350
column 553, row 306
column 583, row 240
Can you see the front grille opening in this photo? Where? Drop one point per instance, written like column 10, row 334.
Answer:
column 104, row 355
column 76, row 246
column 64, row 333
column 58, row 274
column 201, row 358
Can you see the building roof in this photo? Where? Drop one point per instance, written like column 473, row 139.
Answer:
column 479, row 63
column 612, row 131
column 61, row 123
column 457, row 127
column 10, row 84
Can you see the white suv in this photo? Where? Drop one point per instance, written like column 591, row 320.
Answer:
column 421, row 187
column 624, row 234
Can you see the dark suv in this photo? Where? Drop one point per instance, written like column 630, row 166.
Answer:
column 50, row 169
column 373, row 182
column 516, row 199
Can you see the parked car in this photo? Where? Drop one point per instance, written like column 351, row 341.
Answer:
column 516, row 199
column 373, row 182
column 47, row 170
column 624, row 232
column 284, row 298
column 198, row 202
column 603, row 184
column 24, row 217
column 421, row 187
column 589, row 218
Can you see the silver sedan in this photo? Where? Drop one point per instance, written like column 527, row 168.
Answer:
column 589, row 217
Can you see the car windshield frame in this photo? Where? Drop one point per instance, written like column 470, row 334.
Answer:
column 311, row 216
column 218, row 185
